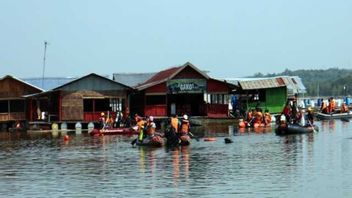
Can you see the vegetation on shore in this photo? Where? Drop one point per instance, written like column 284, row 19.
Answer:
column 320, row 82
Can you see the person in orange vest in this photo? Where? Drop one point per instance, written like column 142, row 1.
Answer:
column 259, row 116
column 185, row 126
column 344, row 108
column 332, row 105
column 175, row 123
column 267, row 117
column 140, row 124
column 287, row 111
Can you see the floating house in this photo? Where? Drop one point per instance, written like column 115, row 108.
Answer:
column 82, row 99
column 266, row 93
column 13, row 106
column 179, row 90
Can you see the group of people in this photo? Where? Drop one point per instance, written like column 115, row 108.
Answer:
column 109, row 120
column 293, row 115
column 147, row 127
column 330, row 107
column 256, row 117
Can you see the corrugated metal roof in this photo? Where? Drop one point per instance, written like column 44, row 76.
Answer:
column 293, row 83
column 261, row 84
column 132, row 79
column 93, row 82
column 49, row 82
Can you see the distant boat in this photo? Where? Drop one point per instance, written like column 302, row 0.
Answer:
column 324, row 116
column 287, row 129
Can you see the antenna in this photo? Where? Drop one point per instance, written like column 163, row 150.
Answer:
column 44, row 58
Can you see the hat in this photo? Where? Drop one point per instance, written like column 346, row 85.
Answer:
column 185, row 117
column 309, row 109
column 102, row 113
column 151, row 118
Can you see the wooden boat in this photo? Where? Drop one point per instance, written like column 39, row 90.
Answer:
column 324, row 116
column 114, row 131
column 155, row 141
column 286, row 129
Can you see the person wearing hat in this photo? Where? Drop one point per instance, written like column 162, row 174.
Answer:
column 151, row 126
column 310, row 116
column 102, row 120
column 185, row 126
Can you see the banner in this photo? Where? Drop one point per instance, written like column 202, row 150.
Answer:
column 186, row 86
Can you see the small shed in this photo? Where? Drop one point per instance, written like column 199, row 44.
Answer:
column 264, row 93
column 82, row 99
column 12, row 103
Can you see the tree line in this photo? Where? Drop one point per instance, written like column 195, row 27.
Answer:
column 321, row 82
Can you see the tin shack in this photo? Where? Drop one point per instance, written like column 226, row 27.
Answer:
column 266, row 93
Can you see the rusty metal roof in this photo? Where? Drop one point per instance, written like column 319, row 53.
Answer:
column 262, row 83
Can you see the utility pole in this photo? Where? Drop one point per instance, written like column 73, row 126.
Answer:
column 44, row 58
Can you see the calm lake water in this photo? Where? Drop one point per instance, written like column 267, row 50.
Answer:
column 257, row 164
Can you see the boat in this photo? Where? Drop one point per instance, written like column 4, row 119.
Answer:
column 286, row 129
column 113, row 131
column 155, row 141
column 172, row 139
column 324, row 116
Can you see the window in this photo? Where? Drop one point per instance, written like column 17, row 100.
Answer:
column 102, row 105
column 88, row 105
column 4, row 106
column 16, row 105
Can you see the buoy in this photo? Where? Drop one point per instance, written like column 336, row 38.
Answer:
column 210, row 139
column 241, row 124
column 66, row 137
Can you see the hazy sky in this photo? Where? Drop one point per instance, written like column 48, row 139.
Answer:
column 228, row 38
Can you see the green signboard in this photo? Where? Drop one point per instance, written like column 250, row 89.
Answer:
column 186, row 86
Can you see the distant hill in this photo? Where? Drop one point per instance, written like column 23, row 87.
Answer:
column 331, row 82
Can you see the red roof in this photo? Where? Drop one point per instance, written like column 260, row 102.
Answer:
column 163, row 75
column 167, row 74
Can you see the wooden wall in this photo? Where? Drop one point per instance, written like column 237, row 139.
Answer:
column 11, row 88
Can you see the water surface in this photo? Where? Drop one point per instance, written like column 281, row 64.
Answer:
column 257, row 164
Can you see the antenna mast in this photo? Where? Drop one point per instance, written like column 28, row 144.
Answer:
column 44, row 58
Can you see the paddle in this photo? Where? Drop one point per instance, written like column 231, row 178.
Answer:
column 310, row 123
column 134, row 142
column 192, row 136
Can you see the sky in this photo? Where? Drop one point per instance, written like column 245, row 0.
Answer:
column 228, row 38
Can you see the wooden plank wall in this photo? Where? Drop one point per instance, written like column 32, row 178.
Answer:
column 72, row 106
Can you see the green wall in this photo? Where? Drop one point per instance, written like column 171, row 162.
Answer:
column 275, row 99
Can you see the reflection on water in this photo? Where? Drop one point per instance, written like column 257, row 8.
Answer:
column 257, row 164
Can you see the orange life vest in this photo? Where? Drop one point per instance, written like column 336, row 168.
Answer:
column 174, row 124
column 267, row 118
column 140, row 124
column 151, row 128
column 185, row 126
column 258, row 117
